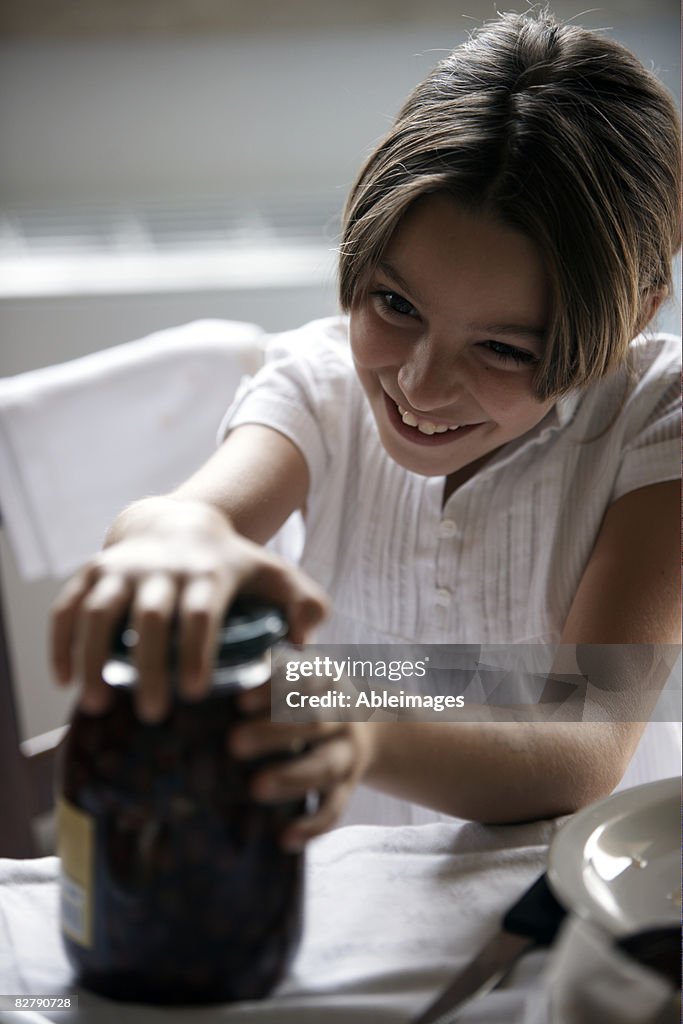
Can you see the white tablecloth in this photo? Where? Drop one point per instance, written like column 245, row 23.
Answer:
column 390, row 914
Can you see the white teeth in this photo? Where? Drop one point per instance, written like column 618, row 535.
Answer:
column 424, row 426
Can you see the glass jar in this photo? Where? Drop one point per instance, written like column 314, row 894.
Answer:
column 174, row 888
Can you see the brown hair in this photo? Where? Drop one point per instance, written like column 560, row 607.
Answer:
column 561, row 134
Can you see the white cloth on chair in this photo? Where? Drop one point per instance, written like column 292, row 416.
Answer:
column 80, row 440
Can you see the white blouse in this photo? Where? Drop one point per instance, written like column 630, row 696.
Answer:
column 501, row 561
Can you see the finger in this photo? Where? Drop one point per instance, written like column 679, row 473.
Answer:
column 327, row 814
column 255, row 699
column 259, row 737
column 326, row 766
column 200, row 610
column 63, row 624
column 100, row 612
column 151, row 615
column 304, row 603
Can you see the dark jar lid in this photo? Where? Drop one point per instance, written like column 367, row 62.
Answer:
column 249, row 630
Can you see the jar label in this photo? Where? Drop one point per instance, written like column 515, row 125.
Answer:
column 75, row 831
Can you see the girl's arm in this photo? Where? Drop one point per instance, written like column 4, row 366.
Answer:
column 500, row 772
column 513, row 771
column 187, row 553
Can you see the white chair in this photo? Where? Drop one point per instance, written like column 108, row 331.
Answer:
column 79, row 441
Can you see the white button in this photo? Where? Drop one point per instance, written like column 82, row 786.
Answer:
column 447, row 528
column 443, row 597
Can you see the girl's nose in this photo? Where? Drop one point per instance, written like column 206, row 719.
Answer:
column 432, row 375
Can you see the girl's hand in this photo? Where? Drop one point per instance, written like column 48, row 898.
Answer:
column 334, row 757
column 180, row 563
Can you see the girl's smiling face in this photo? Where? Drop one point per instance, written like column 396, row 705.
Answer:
column 447, row 336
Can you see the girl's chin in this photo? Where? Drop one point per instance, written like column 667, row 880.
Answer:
column 420, row 459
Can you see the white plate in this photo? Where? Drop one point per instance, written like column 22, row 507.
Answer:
column 617, row 862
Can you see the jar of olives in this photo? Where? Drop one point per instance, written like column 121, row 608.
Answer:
column 174, row 888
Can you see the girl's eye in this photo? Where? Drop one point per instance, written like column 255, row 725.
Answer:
column 395, row 303
column 507, row 353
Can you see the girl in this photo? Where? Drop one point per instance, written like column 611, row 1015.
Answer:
column 482, row 452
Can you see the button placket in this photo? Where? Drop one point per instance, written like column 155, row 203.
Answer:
column 447, row 528
column 443, row 594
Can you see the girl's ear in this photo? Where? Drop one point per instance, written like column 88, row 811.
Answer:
column 652, row 300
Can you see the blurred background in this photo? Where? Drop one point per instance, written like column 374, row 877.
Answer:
column 171, row 159
column 168, row 160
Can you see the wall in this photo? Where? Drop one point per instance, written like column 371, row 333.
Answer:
column 166, row 116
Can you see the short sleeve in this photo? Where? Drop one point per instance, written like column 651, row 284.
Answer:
column 651, row 451
column 300, row 392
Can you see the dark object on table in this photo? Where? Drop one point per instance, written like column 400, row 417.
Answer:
column 174, row 887
column 656, row 948
column 532, row 921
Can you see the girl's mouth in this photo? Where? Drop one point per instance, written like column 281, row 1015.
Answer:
column 423, row 431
